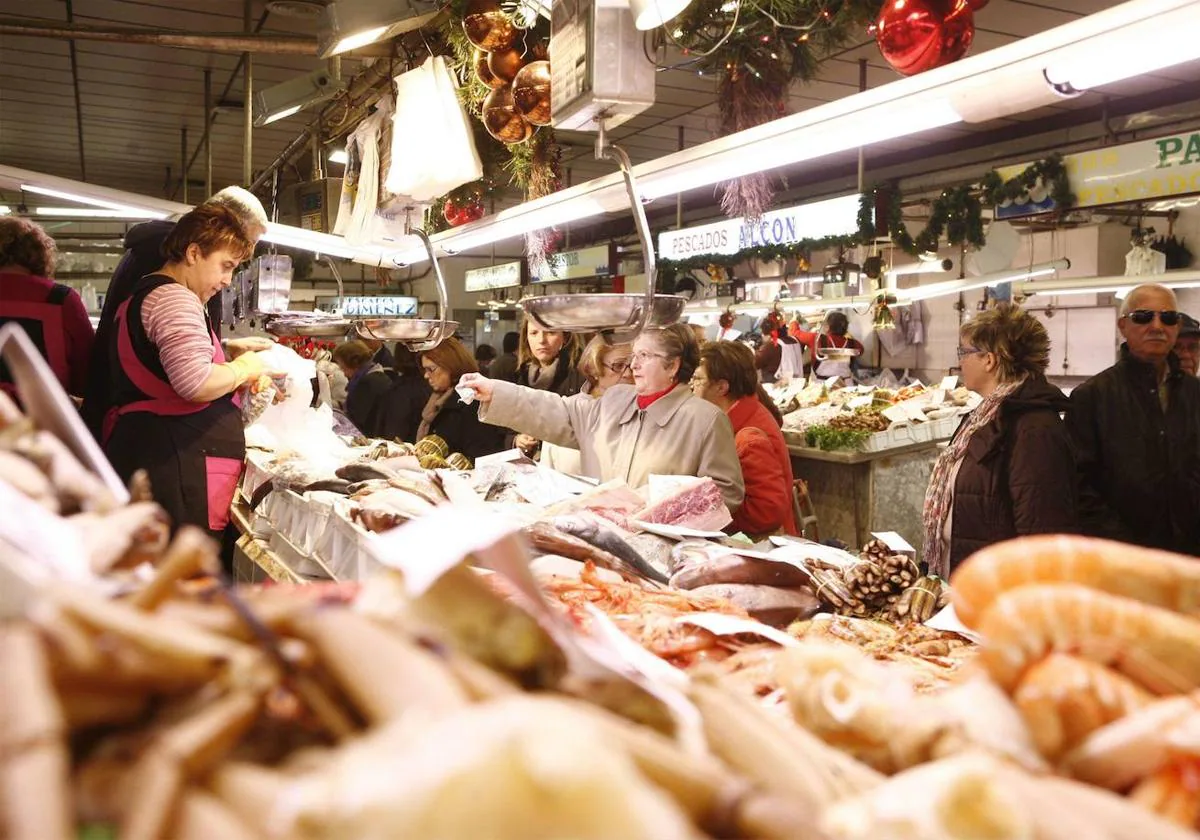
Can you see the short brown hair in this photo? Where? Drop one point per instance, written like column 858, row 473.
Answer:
column 212, row 227
column 679, row 342
column 26, row 244
column 453, row 357
column 1018, row 339
column 592, row 357
column 352, row 354
column 733, row 362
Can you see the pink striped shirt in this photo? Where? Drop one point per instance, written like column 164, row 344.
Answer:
column 173, row 318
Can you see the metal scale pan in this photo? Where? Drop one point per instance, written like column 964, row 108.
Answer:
column 417, row 333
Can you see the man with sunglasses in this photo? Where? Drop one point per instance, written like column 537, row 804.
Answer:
column 1136, row 429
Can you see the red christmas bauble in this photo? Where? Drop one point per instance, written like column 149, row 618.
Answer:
column 918, row 35
column 450, row 210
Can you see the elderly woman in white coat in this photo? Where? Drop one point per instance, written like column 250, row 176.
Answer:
column 654, row 426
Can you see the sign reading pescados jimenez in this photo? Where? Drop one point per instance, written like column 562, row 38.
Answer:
column 835, row 217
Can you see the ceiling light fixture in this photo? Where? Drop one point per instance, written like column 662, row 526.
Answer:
column 352, row 24
column 284, row 100
column 651, row 14
column 1119, row 284
column 96, row 213
column 145, row 213
column 954, row 287
column 5, row 209
column 339, row 156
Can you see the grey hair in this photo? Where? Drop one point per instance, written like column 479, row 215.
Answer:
column 243, row 203
column 1138, row 291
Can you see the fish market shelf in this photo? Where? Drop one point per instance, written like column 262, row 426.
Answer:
column 855, row 493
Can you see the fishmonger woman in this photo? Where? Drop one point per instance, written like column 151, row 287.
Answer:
column 173, row 412
column 654, row 426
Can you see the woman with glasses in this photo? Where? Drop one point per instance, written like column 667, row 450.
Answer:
column 447, row 416
column 654, row 426
column 1009, row 470
column 602, row 366
column 726, row 378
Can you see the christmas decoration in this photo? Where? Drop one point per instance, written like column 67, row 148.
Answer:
column 502, row 119
column 918, row 35
column 531, row 92
column 482, row 72
column 487, row 26
column 504, row 64
column 757, row 50
column 463, row 206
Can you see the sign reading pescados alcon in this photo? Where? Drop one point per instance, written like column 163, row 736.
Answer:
column 834, row 217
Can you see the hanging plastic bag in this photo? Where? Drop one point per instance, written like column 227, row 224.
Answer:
column 366, row 197
column 350, row 175
column 433, row 151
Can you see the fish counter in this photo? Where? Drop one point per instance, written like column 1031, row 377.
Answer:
column 784, row 689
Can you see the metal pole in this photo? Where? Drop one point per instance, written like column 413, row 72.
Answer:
column 247, row 103
column 679, row 196
column 183, row 167
column 78, row 102
column 862, row 158
column 208, row 116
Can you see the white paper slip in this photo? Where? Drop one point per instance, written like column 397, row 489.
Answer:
column 896, row 413
column 829, row 554
column 948, row 383
column 731, row 625
column 507, row 456
column 937, row 397
column 426, row 548
column 676, row 532
column 914, row 411
column 859, row 402
column 894, row 541
column 832, row 381
column 947, row 619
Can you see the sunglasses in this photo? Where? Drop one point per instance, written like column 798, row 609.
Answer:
column 1142, row 317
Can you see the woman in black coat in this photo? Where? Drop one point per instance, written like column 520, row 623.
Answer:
column 444, row 414
column 367, row 386
column 1009, row 470
column 403, row 403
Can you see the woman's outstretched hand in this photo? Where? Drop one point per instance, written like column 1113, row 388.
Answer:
column 480, row 384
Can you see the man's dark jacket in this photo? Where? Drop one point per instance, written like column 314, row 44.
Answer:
column 1139, row 467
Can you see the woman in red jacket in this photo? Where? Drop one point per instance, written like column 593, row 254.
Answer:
column 727, row 378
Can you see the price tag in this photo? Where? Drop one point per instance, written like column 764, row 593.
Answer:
column 948, row 620
column 505, row 457
column 731, row 625
column 937, row 397
column 949, row 383
column 894, row 541
column 859, row 402
column 832, row 382
column 896, row 413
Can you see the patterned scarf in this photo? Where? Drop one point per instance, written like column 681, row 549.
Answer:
column 432, row 408
column 939, row 498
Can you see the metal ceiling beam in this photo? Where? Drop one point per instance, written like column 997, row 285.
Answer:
column 208, row 41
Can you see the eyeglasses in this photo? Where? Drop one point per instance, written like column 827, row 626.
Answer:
column 1142, row 317
column 617, row 367
column 429, row 370
column 641, row 357
column 963, row 352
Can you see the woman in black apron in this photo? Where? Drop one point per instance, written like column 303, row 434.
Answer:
column 173, row 412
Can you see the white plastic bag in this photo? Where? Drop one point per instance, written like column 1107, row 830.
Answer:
column 433, row 151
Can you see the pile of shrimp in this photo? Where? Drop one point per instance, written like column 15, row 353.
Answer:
column 647, row 615
column 1098, row 644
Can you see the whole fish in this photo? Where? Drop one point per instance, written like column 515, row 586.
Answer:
column 605, row 538
column 362, row 471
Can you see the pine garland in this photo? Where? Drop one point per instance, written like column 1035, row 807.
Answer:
column 956, row 215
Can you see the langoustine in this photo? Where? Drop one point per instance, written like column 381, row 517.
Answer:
column 1158, row 578
column 1064, row 699
column 1157, row 648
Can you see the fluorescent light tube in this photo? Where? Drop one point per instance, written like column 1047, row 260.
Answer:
column 95, row 202
column 339, row 156
column 97, row 213
column 953, row 287
column 1160, row 37
column 1119, row 284
column 281, row 115
column 358, row 39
